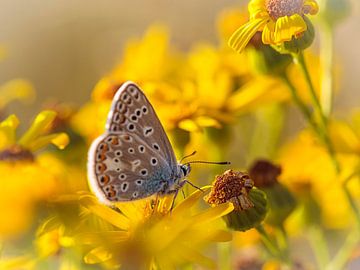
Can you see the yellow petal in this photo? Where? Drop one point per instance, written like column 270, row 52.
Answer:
column 8, row 131
column 263, row 90
column 205, row 121
column 268, row 34
column 214, row 212
column 97, row 255
column 39, row 126
column 61, row 140
column 189, row 125
column 310, row 7
column 286, row 27
column 16, row 89
column 344, row 137
column 105, row 212
column 187, row 253
column 241, row 37
column 189, row 201
column 220, row 236
column 134, row 211
column 101, row 237
column 257, row 9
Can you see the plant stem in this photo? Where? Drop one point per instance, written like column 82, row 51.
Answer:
column 323, row 127
column 271, row 246
column 301, row 105
column 283, row 240
column 224, row 253
column 300, row 60
column 319, row 246
column 342, row 257
column 327, row 59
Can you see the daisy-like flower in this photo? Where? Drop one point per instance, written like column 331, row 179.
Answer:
column 146, row 235
column 22, row 174
column 278, row 20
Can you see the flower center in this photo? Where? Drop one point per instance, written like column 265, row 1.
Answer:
column 232, row 187
column 16, row 153
column 281, row 8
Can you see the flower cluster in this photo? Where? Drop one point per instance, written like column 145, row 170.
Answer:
column 229, row 101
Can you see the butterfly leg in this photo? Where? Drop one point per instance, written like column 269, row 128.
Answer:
column 176, row 192
column 191, row 184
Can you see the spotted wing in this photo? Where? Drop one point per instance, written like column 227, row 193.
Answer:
column 132, row 112
column 123, row 167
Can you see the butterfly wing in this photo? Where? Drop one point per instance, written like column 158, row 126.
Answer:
column 123, row 167
column 134, row 158
column 132, row 112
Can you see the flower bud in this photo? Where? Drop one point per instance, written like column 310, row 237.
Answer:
column 281, row 201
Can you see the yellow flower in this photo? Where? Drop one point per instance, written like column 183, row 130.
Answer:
column 144, row 234
column 26, row 180
column 319, row 174
column 16, row 89
column 279, row 21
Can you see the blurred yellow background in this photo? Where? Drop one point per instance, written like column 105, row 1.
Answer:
column 65, row 47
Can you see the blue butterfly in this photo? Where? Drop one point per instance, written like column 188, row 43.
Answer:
column 133, row 159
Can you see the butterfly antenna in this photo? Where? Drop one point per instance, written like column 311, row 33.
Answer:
column 210, row 162
column 193, row 153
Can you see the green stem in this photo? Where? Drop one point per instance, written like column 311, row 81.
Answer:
column 327, row 59
column 350, row 199
column 323, row 127
column 271, row 246
column 342, row 257
column 300, row 60
column 283, row 240
column 301, row 105
column 319, row 246
column 224, row 253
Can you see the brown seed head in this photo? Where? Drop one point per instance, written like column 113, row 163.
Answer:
column 232, row 187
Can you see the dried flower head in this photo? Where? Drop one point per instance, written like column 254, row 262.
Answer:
column 232, row 187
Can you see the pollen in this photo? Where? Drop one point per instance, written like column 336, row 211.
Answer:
column 282, row 8
column 233, row 187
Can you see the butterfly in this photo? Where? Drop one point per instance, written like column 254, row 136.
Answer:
column 133, row 158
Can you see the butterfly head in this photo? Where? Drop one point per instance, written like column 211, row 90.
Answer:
column 184, row 170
